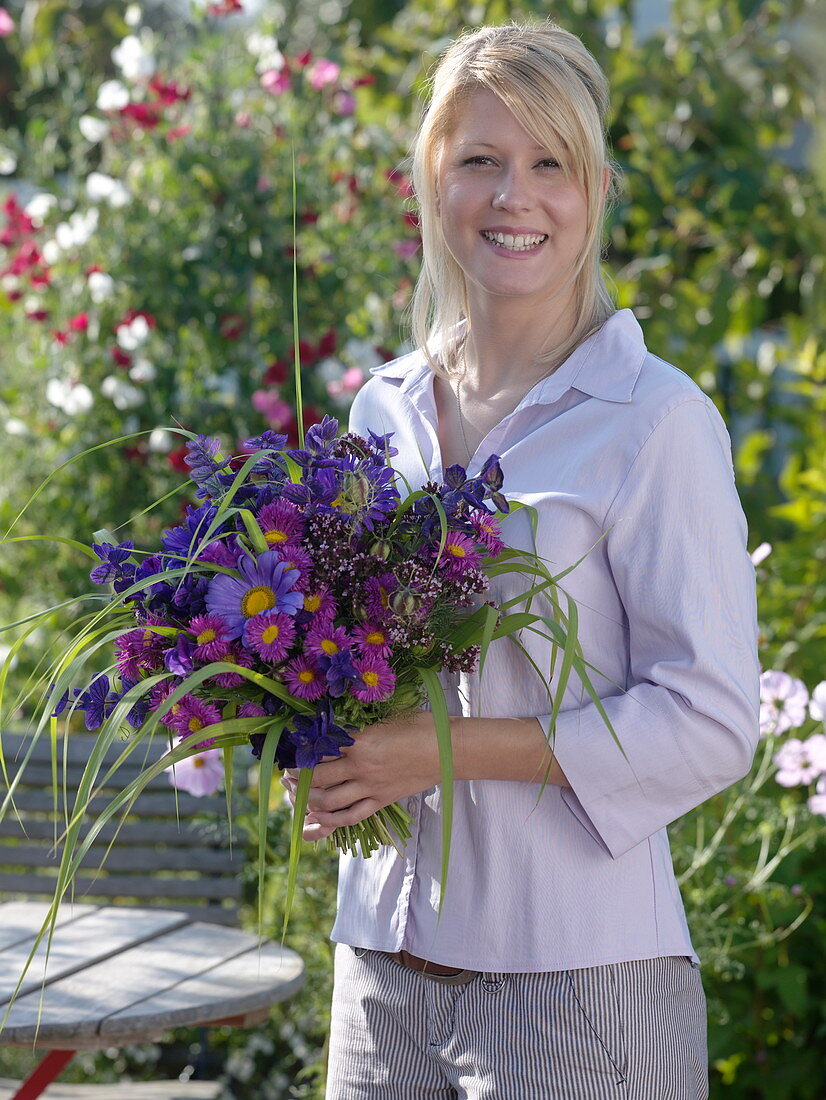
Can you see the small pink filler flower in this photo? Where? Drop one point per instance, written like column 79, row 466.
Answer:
column 782, row 702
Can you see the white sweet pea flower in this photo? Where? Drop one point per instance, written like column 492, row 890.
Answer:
column 101, row 286
column 75, row 232
column 8, row 161
column 93, row 129
column 13, row 426
column 112, row 96
column 51, row 251
column 133, row 59
column 817, row 703
column 102, row 188
column 133, row 15
column 71, row 397
column 362, row 354
column 265, row 48
column 161, row 441
column 761, row 553
column 121, row 393
column 130, row 336
column 39, row 205
column 143, row 371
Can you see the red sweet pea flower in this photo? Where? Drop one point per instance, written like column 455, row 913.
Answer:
column 79, row 323
column 327, row 344
column 224, row 7
column 177, row 460
column 276, row 81
column 121, row 358
column 276, row 373
column 170, row 92
column 145, row 115
column 231, row 326
column 38, row 315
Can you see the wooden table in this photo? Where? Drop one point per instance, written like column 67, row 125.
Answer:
column 118, row 975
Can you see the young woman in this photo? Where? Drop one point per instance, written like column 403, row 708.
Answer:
column 561, row 964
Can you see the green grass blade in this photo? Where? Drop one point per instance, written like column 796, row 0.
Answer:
column 441, row 718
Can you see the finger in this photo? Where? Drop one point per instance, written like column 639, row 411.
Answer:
column 316, row 832
column 350, row 815
column 330, row 799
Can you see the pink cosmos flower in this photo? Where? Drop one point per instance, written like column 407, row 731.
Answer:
column 782, row 702
column 799, row 762
column 323, row 72
column 817, row 803
column 304, row 679
column 270, row 635
column 376, row 681
column 6, row 24
column 198, row 775
column 275, row 81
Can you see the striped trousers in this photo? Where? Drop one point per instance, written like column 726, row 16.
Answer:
column 630, row 1031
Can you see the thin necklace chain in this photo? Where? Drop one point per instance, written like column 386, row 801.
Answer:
column 462, row 419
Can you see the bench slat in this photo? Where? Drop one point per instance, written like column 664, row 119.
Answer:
column 126, row 886
column 134, row 831
column 150, row 803
column 125, row 1090
column 134, row 859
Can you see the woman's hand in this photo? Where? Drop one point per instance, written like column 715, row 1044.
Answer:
column 387, row 761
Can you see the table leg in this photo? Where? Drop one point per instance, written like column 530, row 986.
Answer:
column 42, row 1076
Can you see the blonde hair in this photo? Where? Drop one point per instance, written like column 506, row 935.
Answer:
column 559, row 94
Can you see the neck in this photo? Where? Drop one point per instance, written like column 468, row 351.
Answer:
column 506, row 341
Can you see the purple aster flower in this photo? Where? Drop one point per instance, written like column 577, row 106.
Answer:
column 212, row 641
column 372, row 639
column 251, row 710
column 377, row 594
column 138, row 651
column 318, row 602
column 487, row 531
column 97, row 701
column 299, row 562
column 224, row 551
column 191, row 715
column 324, row 640
column 115, row 565
column 376, row 680
column 270, row 635
column 265, row 584
column 280, row 523
column 458, row 554
column 311, row 738
column 236, row 656
column 304, row 678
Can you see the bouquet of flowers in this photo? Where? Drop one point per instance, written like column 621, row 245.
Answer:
column 302, row 598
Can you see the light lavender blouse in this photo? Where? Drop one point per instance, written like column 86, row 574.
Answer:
column 615, row 443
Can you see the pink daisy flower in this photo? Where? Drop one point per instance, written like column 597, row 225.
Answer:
column 459, row 554
column 281, row 522
column 376, row 681
column 304, row 678
column 372, row 639
column 212, row 641
column 488, row 532
column 270, row 635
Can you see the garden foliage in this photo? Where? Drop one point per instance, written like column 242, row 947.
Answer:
column 147, row 251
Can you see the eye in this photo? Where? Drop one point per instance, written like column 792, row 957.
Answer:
column 480, row 159
column 548, row 162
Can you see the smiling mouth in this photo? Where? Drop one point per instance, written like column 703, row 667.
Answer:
column 516, row 242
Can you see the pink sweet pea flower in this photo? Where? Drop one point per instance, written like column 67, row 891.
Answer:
column 200, row 774
column 272, row 407
column 6, row 24
column 782, row 702
column 323, row 72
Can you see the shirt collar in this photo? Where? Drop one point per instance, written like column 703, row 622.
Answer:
column 605, row 366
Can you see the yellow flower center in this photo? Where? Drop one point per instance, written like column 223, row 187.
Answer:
column 275, row 536
column 375, row 637
column 456, row 551
column 148, row 637
column 383, row 596
column 198, row 762
column 312, row 603
column 306, row 676
column 370, row 678
column 270, row 634
column 208, row 635
column 329, row 646
column 256, row 600
column 194, row 724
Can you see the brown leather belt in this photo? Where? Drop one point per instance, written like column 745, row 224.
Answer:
column 428, row 968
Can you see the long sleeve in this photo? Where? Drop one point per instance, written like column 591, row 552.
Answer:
column 687, row 723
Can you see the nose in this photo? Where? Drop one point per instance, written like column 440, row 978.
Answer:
column 512, row 191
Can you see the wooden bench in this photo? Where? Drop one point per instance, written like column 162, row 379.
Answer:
column 162, row 857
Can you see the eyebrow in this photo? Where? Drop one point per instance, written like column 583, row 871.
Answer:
column 488, row 145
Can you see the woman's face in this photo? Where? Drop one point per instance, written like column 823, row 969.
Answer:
column 510, row 217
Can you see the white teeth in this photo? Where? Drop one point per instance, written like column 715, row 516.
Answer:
column 520, row 242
